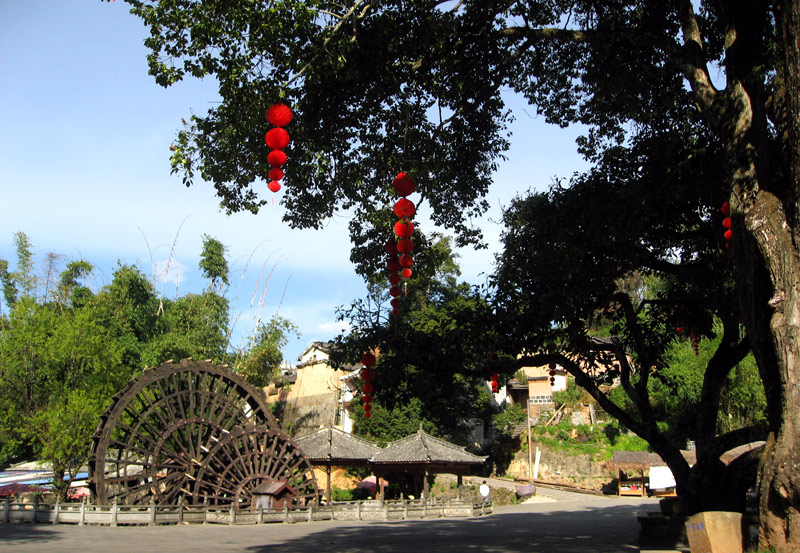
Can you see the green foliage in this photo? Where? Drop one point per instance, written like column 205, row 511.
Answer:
column 261, row 361
column 353, row 494
column 600, row 441
column 571, row 396
column 213, row 263
column 65, row 352
column 387, row 425
column 510, row 416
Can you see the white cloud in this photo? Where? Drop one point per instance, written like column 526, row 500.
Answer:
column 169, row 271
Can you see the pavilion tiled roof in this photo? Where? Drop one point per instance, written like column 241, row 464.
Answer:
column 424, row 448
column 332, row 444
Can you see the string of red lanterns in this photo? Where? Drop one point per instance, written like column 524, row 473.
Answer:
column 726, row 222
column 367, row 375
column 552, row 373
column 400, row 246
column 495, row 384
column 277, row 139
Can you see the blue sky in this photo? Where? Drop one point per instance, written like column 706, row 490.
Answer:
column 84, row 172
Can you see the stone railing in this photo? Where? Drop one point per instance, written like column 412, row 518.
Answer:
column 114, row 515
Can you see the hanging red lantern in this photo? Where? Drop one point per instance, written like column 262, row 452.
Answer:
column 367, row 415
column 395, row 291
column 405, row 246
column 368, row 388
column 367, row 374
column 279, row 115
column 276, row 158
column 393, row 264
column 277, row 138
column 404, row 185
column 404, row 208
column 366, row 399
column 275, row 174
column 552, row 380
column 394, row 279
column 551, row 366
column 367, row 407
column 395, row 311
column 274, row 186
column 406, row 260
column 726, row 208
column 726, row 222
column 728, row 234
column 404, row 228
column 391, row 247
column 368, row 359
column 552, row 373
column 396, row 302
column 406, row 273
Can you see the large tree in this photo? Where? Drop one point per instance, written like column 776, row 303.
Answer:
column 416, row 85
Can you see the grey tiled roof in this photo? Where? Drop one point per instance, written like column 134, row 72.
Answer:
column 332, row 444
column 424, row 448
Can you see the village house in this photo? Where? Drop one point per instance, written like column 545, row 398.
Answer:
column 319, row 395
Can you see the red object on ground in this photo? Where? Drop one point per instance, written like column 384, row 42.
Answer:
column 277, row 138
column 274, row 186
column 279, row 115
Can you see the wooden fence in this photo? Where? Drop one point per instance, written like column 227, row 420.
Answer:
column 115, row 515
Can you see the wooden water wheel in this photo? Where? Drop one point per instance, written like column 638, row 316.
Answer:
column 193, row 432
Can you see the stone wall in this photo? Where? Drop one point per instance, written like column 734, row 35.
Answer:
column 305, row 414
column 585, row 471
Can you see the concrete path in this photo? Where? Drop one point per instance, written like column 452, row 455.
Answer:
column 556, row 522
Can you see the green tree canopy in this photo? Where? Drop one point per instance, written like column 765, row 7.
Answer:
column 416, row 86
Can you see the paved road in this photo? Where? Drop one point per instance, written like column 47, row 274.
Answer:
column 568, row 523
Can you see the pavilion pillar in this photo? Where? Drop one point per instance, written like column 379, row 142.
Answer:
column 425, row 485
column 328, row 484
column 460, row 481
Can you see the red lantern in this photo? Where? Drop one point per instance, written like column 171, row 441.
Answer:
column 404, row 228
column 366, row 399
column 406, row 273
column 391, row 247
column 396, row 302
column 367, row 374
column 276, row 158
column 404, row 208
column 552, row 380
column 404, row 185
column 367, row 407
column 405, row 246
column 368, row 388
column 551, row 366
column 277, row 138
column 726, row 208
column 552, row 373
column 367, row 414
column 279, row 115
column 276, row 174
column 393, row 264
column 406, row 260
column 395, row 311
column 274, row 186
column 726, row 222
column 395, row 291
column 368, row 359
column 728, row 234
column 394, row 279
